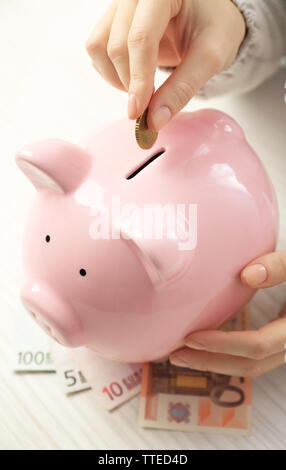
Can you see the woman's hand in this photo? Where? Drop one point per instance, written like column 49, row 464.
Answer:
column 242, row 353
column 199, row 37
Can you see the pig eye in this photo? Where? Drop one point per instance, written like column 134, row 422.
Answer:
column 82, row 272
column 48, row 238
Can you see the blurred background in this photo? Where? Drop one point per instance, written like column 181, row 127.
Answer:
column 48, row 88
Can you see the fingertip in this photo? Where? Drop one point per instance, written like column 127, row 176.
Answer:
column 193, row 344
column 161, row 108
column 243, row 278
column 179, row 359
column 143, row 95
column 160, row 117
column 254, row 276
column 132, row 106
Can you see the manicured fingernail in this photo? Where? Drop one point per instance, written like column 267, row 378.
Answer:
column 132, row 106
column 195, row 344
column 179, row 359
column 160, row 118
column 255, row 275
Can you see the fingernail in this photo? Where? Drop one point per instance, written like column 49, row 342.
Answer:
column 194, row 344
column 179, row 360
column 255, row 275
column 160, row 118
column 132, row 106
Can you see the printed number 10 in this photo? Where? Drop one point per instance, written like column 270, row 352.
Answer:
column 114, row 390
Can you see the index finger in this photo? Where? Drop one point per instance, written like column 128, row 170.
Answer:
column 148, row 26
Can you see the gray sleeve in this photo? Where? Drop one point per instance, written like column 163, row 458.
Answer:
column 260, row 54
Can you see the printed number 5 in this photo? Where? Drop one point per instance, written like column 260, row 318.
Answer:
column 69, row 376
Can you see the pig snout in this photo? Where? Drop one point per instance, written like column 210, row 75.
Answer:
column 52, row 313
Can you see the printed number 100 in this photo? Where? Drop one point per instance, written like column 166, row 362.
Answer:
column 28, row 358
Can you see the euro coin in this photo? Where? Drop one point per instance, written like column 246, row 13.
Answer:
column 145, row 137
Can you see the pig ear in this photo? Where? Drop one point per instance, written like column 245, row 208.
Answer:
column 54, row 164
column 166, row 259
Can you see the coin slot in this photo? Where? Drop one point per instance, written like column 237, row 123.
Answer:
column 145, row 164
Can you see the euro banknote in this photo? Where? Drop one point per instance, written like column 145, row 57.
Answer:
column 183, row 399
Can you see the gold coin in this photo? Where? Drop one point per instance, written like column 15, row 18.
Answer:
column 144, row 136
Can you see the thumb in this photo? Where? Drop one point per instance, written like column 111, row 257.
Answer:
column 266, row 271
column 203, row 60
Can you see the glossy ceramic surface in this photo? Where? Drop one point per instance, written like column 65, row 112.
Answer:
column 131, row 298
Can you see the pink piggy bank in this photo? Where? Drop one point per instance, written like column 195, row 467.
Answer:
column 127, row 251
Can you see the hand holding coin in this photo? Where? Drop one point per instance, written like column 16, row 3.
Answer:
column 135, row 36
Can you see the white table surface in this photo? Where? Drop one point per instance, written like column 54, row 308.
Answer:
column 49, row 89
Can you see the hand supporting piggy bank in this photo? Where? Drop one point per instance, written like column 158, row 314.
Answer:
column 127, row 251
